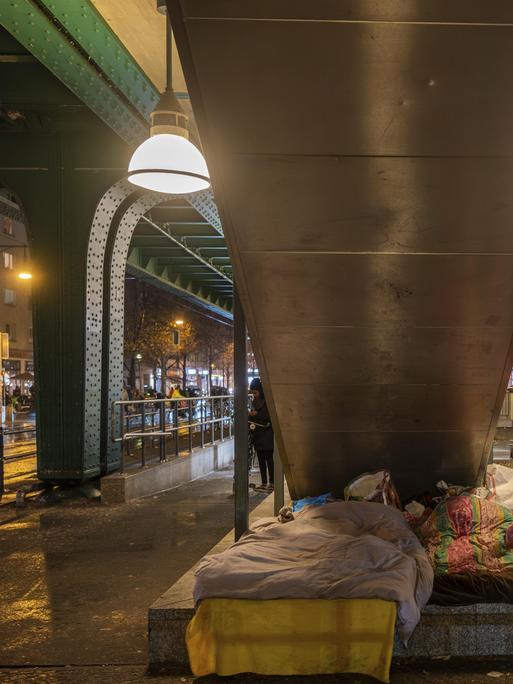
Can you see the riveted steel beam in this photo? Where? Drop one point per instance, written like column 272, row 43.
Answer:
column 30, row 22
column 81, row 20
column 205, row 205
column 182, row 286
column 182, row 242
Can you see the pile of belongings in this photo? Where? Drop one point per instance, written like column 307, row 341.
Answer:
column 467, row 533
column 316, row 565
column 343, row 549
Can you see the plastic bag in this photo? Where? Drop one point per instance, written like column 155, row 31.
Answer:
column 377, row 487
column 499, row 480
column 312, row 501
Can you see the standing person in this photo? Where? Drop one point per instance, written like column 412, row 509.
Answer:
column 263, row 435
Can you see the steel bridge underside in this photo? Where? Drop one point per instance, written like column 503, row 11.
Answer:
column 361, row 155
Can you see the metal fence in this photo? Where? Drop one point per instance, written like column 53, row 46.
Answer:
column 507, row 406
column 7, row 433
column 154, row 430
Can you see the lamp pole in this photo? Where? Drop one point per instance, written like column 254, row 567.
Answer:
column 241, row 474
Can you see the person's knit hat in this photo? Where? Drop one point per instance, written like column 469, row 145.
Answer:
column 255, row 384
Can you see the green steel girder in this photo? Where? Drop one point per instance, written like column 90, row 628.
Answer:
column 182, row 242
column 59, row 51
column 180, row 284
column 213, row 252
column 198, row 241
column 82, row 21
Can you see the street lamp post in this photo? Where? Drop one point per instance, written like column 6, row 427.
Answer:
column 141, row 387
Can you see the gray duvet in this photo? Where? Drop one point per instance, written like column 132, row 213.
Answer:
column 339, row 550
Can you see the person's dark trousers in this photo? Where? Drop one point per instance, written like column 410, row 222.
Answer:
column 266, row 463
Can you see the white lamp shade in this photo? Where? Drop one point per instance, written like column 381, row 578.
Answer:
column 168, row 163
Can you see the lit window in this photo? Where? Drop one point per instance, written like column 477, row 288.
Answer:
column 8, row 260
column 9, row 296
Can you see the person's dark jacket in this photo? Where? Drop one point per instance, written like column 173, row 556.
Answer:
column 263, row 437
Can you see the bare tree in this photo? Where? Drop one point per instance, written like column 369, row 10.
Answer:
column 138, row 295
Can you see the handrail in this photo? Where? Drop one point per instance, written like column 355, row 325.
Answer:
column 216, row 416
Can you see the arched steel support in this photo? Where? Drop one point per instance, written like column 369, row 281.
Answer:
column 114, row 222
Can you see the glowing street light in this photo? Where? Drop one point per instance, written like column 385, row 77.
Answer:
column 167, row 161
column 179, row 322
column 25, row 275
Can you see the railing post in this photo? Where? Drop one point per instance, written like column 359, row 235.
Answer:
column 241, row 475
column 212, row 418
column 143, row 428
column 279, row 483
column 175, row 425
column 124, row 444
column 1, row 461
column 190, row 428
column 222, row 419
column 162, row 409
column 202, row 404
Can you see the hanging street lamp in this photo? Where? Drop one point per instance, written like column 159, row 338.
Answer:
column 167, row 161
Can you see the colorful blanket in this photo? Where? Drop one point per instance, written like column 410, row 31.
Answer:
column 468, row 534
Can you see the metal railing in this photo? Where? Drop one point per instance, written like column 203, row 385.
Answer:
column 153, row 430
column 7, row 433
column 507, row 405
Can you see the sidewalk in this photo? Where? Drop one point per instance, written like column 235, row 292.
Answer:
column 77, row 580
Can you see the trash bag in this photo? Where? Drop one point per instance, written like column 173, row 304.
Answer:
column 457, row 490
column 312, row 501
column 377, row 487
column 499, row 480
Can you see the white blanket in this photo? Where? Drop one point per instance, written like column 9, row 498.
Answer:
column 339, row 550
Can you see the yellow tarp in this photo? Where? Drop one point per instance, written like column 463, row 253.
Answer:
column 292, row 637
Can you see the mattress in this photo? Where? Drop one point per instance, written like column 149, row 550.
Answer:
column 292, row 637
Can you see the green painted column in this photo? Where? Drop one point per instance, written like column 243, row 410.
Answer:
column 59, row 177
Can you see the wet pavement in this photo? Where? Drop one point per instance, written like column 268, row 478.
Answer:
column 460, row 673
column 77, row 580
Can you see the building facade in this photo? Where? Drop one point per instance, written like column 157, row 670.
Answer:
column 15, row 296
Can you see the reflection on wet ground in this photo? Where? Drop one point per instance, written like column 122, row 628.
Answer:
column 77, row 579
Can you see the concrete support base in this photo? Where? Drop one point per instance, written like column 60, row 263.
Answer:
column 480, row 630
column 123, row 487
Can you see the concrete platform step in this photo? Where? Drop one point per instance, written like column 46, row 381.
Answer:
column 153, row 479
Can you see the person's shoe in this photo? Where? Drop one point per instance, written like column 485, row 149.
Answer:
column 270, row 487
column 261, row 488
